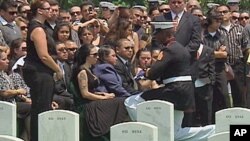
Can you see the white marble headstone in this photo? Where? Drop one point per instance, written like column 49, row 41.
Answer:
column 133, row 131
column 159, row 113
column 223, row 136
column 58, row 125
column 9, row 138
column 231, row 116
column 7, row 118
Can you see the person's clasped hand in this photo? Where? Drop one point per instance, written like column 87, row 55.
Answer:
column 58, row 75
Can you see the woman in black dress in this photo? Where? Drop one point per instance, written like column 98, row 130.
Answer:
column 39, row 66
column 98, row 110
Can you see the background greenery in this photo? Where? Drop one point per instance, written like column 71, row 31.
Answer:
column 244, row 5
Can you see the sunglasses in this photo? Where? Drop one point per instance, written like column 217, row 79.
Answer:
column 94, row 54
column 72, row 49
column 164, row 10
column 235, row 18
column 75, row 13
column 24, row 48
column 242, row 18
column 25, row 11
column 62, row 49
column 129, row 47
column 12, row 13
column 198, row 15
column 23, row 27
column 54, row 10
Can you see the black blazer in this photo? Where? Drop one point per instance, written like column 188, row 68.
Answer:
column 206, row 64
column 128, row 81
column 188, row 32
column 61, row 85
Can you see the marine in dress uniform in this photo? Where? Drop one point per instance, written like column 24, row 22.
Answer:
column 173, row 70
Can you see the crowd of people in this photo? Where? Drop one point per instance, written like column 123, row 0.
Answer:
column 102, row 60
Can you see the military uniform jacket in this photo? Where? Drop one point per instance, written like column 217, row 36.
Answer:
column 175, row 61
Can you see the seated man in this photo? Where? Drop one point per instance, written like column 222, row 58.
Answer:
column 172, row 68
column 124, row 52
column 62, row 96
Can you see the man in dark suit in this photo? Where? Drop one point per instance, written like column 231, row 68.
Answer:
column 187, row 33
column 124, row 51
column 188, row 28
column 62, row 96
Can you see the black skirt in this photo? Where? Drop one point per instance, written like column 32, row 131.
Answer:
column 100, row 115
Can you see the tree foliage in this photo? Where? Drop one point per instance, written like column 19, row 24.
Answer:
column 244, row 5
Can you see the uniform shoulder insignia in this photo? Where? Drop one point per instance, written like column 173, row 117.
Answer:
column 160, row 56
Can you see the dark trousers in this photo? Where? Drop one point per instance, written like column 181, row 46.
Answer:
column 203, row 104
column 41, row 89
column 238, row 85
column 248, row 91
column 220, row 93
column 64, row 102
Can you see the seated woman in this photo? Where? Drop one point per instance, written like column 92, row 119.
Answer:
column 110, row 80
column 22, row 24
column 13, row 89
column 98, row 110
column 18, row 49
column 143, row 61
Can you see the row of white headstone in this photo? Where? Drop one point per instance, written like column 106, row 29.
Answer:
column 155, row 122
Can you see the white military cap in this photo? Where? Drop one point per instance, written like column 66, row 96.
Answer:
column 158, row 26
column 212, row 5
column 109, row 5
column 153, row 1
column 140, row 6
column 233, row 1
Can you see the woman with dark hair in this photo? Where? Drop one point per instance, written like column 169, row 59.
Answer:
column 110, row 80
column 218, row 42
column 125, row 30
column 62, row 32
column 85, row 35
column 39, row 65
column 143, row 61
column 95, row 28
column 18, row 49
column 98, row 110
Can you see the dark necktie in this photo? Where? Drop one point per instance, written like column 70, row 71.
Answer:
column 176, row 22
column 128, row 65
